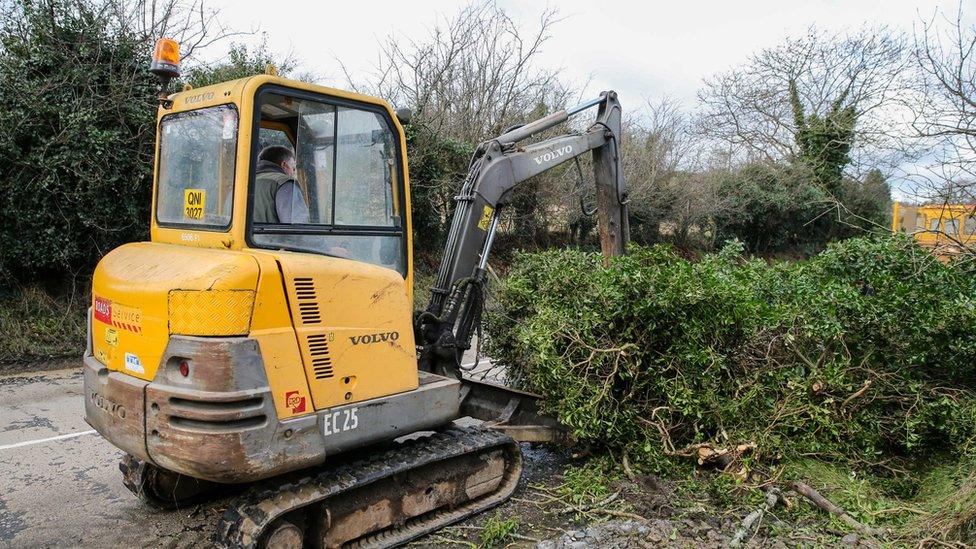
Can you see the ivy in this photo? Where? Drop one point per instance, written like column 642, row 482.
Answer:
column 76, row 136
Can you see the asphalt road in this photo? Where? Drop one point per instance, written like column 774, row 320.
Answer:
column 60, row 483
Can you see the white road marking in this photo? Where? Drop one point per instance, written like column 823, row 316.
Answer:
column 91, row 432
column 49, row 439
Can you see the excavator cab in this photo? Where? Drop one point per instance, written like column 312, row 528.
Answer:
column 232, row 324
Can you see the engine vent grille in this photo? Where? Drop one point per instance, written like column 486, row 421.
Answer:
column 308, row 304
column 318, row 349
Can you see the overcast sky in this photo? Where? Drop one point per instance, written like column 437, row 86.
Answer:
column 641, row 49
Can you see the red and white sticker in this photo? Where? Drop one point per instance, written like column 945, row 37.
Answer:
column 295, row 401
column 118, row 315
column 103, row 310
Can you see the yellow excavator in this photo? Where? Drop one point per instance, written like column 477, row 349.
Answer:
column 239, row 349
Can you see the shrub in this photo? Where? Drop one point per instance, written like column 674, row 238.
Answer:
column 39, row 326
column 864, row 353
column 76, row 133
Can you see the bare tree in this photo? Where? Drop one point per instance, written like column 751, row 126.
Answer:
column 467, row 80
column 193, row 24
column 749, row 108
column 472, row 74
column 673, row 195
column 944, row 118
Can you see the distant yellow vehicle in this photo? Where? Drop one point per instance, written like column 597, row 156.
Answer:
column 946, row 228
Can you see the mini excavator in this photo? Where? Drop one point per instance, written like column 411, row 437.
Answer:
column 285, row 358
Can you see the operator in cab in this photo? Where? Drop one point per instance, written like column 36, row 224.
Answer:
column 277, row 196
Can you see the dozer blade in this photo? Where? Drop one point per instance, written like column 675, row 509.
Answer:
column 384, row 500
column 166, row 489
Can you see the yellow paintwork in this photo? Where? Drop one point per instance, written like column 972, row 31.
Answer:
column 156, row 283
column 272, row 328
column 139, row 276
column 917, row 221
column 356, row 300
column 210, row 312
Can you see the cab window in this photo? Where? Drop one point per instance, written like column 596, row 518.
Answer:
column 345, row 182
column 197, row 156
column 273, row 136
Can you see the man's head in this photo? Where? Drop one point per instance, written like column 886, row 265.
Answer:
column 280, row 156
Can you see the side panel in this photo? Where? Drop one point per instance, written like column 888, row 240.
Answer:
column 354, row 326
column 271, row 326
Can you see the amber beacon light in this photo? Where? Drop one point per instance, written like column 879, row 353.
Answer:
column 166, row 59
column 166, row 66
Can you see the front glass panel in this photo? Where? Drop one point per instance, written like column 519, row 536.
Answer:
column 365, row 170
column 197, row 155
column 951, row 227
column 315, row 158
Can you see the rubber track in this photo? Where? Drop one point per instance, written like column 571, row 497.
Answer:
column 247, row 518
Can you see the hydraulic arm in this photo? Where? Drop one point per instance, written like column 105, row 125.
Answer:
column 445, row 328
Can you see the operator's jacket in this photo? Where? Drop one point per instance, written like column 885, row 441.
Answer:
column 277, row 198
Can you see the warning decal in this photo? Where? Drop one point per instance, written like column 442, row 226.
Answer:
column 486, row 218
column 194, row 202
column 118, row 315
column 112, row 337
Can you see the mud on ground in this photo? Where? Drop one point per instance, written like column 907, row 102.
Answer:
column 646, row 512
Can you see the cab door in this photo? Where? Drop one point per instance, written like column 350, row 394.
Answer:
column 345, row 262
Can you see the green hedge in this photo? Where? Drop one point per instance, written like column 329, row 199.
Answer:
column 865, row 353
column 76, row 131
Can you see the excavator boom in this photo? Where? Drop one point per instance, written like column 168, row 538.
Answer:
column 444, row 330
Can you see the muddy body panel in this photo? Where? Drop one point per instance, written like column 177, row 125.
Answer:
column 115, row 405
column 219, row 423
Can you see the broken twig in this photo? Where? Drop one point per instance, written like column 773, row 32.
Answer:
column 820, row 501
column 772, row 496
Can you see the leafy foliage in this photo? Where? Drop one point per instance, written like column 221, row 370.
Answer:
column 824, row 142
column 241, row 62
column 862, row 354
column 438, row 165
column 782, row 208
column 75, row 137
column 498, row 530
column 40, row 325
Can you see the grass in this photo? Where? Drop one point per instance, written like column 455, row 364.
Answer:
column 496, row 530
column 939, row 501
column 587, row 483
column 38, row 326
